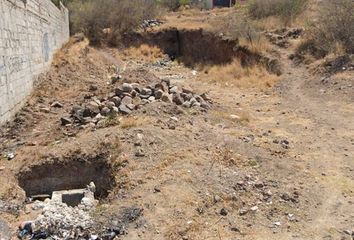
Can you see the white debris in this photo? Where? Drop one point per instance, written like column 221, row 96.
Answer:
column 254, row 209
column 65, row 220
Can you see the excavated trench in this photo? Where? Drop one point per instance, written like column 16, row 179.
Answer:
column 200, row 48
column 40, row 181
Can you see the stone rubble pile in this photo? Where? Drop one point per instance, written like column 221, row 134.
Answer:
column 280, row 37
column 129, row 97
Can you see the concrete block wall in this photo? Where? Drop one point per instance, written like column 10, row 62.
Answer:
column 31, row 31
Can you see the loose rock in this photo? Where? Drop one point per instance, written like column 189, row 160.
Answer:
column 105, row 111
column 140, row 152
column 124, row 109
column 127, row 100
column 65, row 121
column 126, row 87
column 177, row 99
column 223, row 212
column 57, row 104
column 166, row 98
column 159, row 93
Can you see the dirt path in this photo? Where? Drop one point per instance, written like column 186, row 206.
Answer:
column 326, row 149
column 321, row 143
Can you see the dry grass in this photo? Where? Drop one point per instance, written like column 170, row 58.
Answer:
column 260, row 45
column 111, row 120
column 268, row 23
column 144, row 53
column 130, row 122
column 234, row 75
column 287, row 10
column 69, row 51
column 333, row 30
column 240, row 116
column 276, row 22
column 238, row 25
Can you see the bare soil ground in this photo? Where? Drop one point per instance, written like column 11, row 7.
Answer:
column 267, row 161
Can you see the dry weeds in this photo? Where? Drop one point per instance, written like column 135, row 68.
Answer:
column 130, row 122
column 268, row 23
column 144, row 53
column 261, row 45
column 234, row 75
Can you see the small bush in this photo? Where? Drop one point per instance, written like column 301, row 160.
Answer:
column 334, row 28
column 247, row 32
column 288, row 10
column 107, row 20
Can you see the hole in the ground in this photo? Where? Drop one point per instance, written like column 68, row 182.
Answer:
column 72, row 199
column 45, row 180
column 200, row 48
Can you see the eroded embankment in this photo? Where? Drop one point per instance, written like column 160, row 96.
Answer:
column 201, row 48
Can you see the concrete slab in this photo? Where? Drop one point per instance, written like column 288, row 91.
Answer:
column 72, row 197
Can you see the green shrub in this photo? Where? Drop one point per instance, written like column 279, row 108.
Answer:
column 92, row 17
column 173, row 4
column 184, row 2
column 286, row 9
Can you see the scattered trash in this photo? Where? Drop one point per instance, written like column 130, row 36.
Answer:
column 25, row 229
column 40, row 234
column 10, row 156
